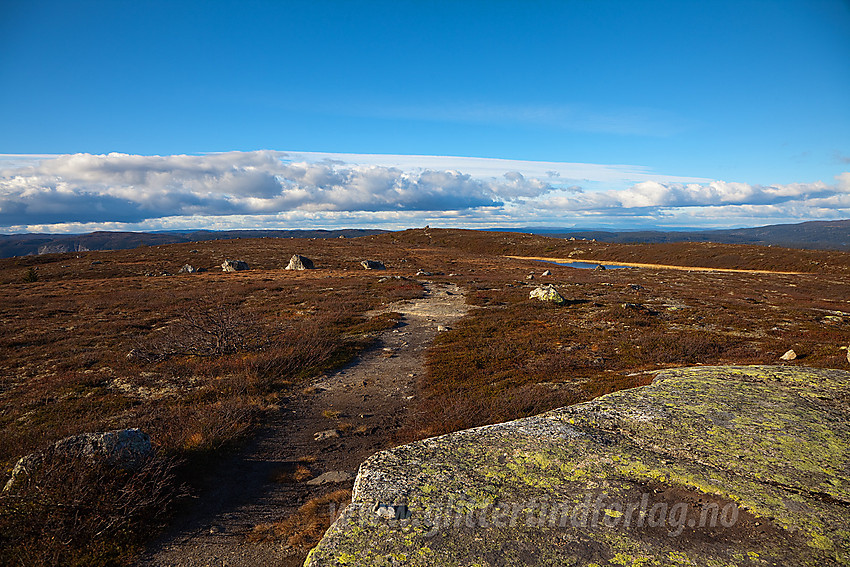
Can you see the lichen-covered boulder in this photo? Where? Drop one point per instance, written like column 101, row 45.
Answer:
column 706, row 466
column 123, row 448
column 233, row 266
column 299, row 262
column 547, row 293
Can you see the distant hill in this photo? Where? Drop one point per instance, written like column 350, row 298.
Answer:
column 813, row 235
column 28, row 244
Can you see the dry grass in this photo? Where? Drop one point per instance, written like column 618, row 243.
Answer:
column 66, row 336
column 56, row 510
column 208, row 353
column 513, row 357
column 303, row 530
column 292, row 473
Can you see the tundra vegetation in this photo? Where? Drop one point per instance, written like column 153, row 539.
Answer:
column 108, row 340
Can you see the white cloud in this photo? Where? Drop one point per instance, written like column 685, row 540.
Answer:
column 269, row 189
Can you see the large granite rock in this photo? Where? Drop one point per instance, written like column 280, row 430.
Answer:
column 233, row 266
column 706, row 466
column 547, row 293
column 299, row 262
column 372, row 265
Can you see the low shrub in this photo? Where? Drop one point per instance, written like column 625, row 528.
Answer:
column 77, row 511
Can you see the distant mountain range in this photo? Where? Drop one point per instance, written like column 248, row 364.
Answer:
column 814, row 235
column 28, row 244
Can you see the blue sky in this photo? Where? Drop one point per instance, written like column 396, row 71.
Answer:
column 614, row 113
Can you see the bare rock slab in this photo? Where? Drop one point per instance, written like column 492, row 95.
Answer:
column 743, row 465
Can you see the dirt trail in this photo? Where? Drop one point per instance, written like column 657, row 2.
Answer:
column 371, row 395
column 657, row 266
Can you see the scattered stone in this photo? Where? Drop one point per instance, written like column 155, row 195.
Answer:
column 193, row 251
column 327, row 434
column 372, row 265
column 546, row 273
column 600, row 267
column 96, row 263
column 123, row 448
column 547, row 293
column 233, row 266
column 187, row 269
column 636, row 287
column 790, row 355
column 299, row 262
column 424, row 273
column 529, row 277
column 442, row 328
column 331, row 477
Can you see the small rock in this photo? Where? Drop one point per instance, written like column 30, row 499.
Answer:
column 298, row 262
column 547, row 293
column 372, row 265
column 600, row 267
column 529, row 277
column 330, row 477
column 96, row 263
column 327, row 434
column 546, row 273
column 233, row 266
column 442, row 328
column 636, row 287
column 790, row 355
column 424, row 273
column 187, row 269
column 392, row 511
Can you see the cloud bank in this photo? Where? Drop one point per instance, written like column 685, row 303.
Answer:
column 269, row 189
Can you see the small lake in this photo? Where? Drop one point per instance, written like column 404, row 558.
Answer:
column 586, row 265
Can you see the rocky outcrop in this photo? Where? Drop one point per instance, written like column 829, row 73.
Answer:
column 233, row 266
column 298, row 262
column 547, row 293
column 706, row 466
column 123, row 448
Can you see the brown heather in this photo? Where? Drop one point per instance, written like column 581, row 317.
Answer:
column 212, row 353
